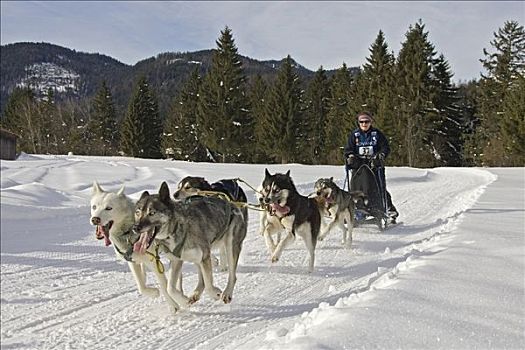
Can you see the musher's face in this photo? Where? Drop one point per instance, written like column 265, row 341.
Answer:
column 364, row 122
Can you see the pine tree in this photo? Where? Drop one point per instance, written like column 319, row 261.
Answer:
column 222, row 112
column 142, row 128
column 317, row 96
column 74, row 114
column 446, row 139
column 339, row 123
column 285, row 100
column 257, row 97
column 103, row 123
column 415, row 88
column 11, row 119
column 513, row 123
column 378, row 84
column 48, row 123
column 504, row 68
column 181, row 137
column 22, row 118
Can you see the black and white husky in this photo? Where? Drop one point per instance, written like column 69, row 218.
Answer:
column 297, row 214
column 112, row 214
column 190, row 229
column 339, row 208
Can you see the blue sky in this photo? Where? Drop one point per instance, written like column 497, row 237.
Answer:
column 313, row 33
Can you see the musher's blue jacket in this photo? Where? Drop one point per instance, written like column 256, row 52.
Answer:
column 362, row 144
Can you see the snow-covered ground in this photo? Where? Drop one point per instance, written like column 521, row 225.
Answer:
column 450, row 276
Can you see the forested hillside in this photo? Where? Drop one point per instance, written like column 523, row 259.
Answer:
column 217, row 105
column 73, row 74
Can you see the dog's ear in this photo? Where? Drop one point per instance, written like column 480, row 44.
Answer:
column 121, row 191
column 266, row 173
column 331, row 179
column 144, row 194
column 288, row 173
column 164, row 192
column 96, row 187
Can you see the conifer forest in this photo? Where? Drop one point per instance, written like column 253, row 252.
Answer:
column 221, row 114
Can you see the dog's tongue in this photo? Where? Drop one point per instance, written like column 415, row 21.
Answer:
column 101, row 233
column 279, row 209
column 141, row 245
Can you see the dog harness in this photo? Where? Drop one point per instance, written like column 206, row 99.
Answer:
column 129, row 252
column 126, row 254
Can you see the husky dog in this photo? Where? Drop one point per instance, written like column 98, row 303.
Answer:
column 112, row 214
column 193, row 185
column 189, row 230
column 296, row 213
column 339, row 205
column 269, row 224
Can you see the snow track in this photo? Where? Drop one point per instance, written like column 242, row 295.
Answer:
column 63, row 289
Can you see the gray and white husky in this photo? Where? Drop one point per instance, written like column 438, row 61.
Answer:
column 339, row 207
column 112, row 214
column 227, row 189
column 296, row 213
column 190, row 229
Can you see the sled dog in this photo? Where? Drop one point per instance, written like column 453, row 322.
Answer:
column 296, row 213
column 190, row 229
column 269, row 224
column 194, row 186
column 339, row 206
column 112, row 214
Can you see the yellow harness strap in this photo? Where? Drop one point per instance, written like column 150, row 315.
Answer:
column 155, row 257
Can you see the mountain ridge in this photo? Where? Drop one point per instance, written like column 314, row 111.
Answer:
column 77, row 74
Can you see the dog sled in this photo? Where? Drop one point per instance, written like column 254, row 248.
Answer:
column 366, row 179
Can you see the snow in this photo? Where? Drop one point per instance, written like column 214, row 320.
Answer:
column 451, row 276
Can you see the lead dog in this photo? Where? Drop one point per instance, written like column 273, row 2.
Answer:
column 189, row 230
column 296, row 213
column 112, row 214
column 339, row 205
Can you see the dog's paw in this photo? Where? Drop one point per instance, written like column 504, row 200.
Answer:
column 320, row 238
column 182, row 300
column 194, row 298
column 275, row 258
column 174, row 309
column 226, row 298
column 150, row 292
column 214, row 293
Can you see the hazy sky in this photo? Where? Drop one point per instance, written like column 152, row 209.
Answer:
column 313, row 33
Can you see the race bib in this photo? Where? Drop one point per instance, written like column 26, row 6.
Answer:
column 366, row 150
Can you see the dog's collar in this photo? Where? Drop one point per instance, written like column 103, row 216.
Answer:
column 127, row 254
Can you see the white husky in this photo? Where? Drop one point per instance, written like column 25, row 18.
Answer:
column 113, row 214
